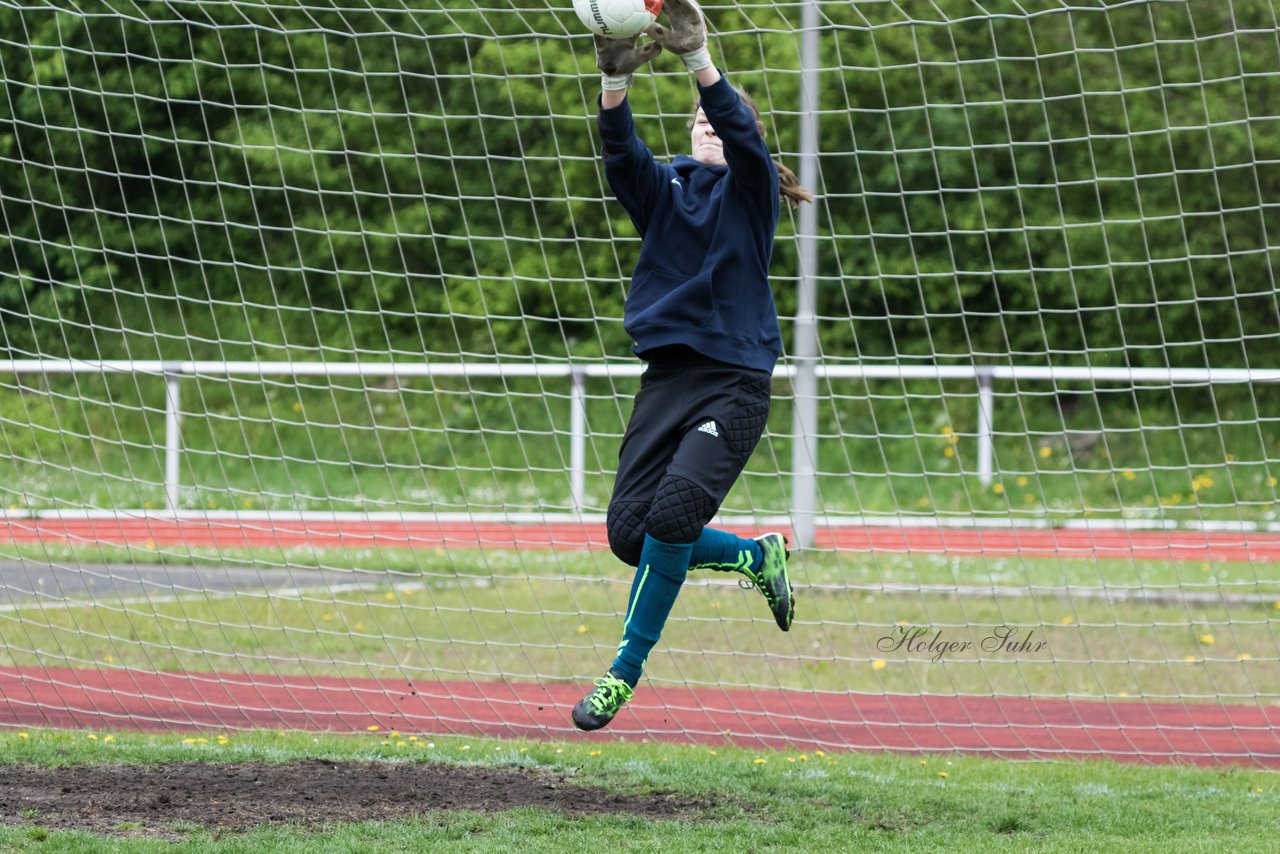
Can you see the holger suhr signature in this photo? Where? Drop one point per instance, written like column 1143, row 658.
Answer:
column 916, row 640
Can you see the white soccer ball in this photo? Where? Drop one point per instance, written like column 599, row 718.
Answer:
column 617, row 19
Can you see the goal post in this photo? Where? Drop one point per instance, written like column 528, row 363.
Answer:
column 313, row 375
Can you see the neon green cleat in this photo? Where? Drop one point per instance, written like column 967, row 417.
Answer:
column 598, row 708
column 773, row 580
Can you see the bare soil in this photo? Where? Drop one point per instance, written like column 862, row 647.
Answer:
column 168, row 799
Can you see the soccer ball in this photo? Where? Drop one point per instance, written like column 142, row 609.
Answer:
column 617, row 19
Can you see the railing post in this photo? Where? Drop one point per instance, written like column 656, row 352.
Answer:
column 578, row 438
column 986, row 431
column 172, row 436
column 804, row 349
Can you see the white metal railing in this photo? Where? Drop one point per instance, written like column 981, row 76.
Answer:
column 577, row 373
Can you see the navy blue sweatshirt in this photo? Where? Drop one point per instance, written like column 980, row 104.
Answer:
column 703, row 275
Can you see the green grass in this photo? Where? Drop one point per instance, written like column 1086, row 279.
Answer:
column 774, row 801
column 556, row 616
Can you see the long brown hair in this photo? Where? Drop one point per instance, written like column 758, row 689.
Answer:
column 788, row 184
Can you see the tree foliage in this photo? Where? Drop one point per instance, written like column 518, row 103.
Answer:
column 271, row 180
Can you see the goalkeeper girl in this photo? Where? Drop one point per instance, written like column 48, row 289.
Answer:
column 701, row 314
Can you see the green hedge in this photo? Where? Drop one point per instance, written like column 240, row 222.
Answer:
column 242, row 181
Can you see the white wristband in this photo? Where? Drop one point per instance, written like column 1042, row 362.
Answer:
column 697, row 60
column 614, row 84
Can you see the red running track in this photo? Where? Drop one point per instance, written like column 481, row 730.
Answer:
column 1074, row 543
column 1140, row 732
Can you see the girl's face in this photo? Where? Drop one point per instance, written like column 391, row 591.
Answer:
column 706, row 145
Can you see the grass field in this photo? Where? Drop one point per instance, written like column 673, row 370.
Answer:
column 556, row 616
column 780, row 801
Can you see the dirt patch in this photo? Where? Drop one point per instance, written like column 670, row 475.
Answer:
column 161, row 799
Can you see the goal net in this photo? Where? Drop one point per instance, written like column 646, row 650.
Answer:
column 313, row 375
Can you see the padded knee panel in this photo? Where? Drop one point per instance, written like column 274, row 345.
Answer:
column 625, row 524
column 680, row 511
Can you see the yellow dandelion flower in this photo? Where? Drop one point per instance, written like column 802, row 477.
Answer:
column 1244, row 656
column 107, row 739
column 24, row 735
column 943, row 774
column 712, row 752
column 91, row 737
column 1128, row 474
column 582, row 629
column 1022, row 480
column 359, row 627
column 791, row 759
column 1204, row 567
column 373, row 727
column 1271, row 481
column 1045, row 452
column 924, row 762
column 389, row 596
column 759, row 761
column 998, row 488
column 946, row 431
column 879, row 664
column 818, row 753
column 297, row 407
column 948, row 451
column 1067, row 620
column 803, row 757
column 1206, row 639
column 1123, row 694
column 1190, row 659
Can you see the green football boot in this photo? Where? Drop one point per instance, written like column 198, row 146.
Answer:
column 598, row 708
column 772, row 579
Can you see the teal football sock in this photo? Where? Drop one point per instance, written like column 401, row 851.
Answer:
column 658, row 578
column 722, row 551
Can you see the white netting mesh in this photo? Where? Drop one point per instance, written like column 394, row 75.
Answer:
column 342, row 285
